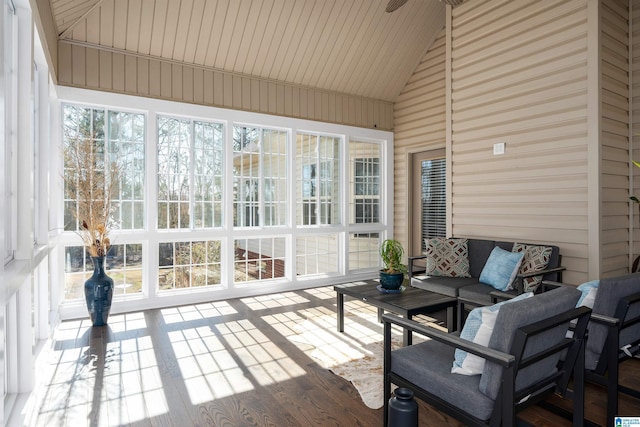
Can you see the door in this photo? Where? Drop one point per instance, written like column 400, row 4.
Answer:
column 429, row 198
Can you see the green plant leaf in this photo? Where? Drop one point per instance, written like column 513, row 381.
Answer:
column 636, row 163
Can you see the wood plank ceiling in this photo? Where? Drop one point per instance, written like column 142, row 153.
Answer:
column 344, row 46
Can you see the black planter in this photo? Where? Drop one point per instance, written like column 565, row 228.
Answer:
column 98, row 293
column 391, row 281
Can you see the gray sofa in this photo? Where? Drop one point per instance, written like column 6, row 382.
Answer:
column 469, row 289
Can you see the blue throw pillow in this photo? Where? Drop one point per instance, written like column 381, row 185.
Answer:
column 501, row 268
column 478, row 329
column 588, row 291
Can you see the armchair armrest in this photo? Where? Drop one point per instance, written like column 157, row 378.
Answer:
column 501, row 296
column 541, row 272
column 519, row 280
column 605, row 320
column 411, row 261
column 550, row 284
column 503, row 359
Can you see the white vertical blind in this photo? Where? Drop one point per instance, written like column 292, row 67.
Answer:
column 433, row 198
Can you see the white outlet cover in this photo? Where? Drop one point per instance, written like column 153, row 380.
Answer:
column 498, row 148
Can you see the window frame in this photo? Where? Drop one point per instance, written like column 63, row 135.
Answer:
column 151, row 236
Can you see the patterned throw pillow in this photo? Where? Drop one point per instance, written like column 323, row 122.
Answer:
column 536, row 258
column 447, row 257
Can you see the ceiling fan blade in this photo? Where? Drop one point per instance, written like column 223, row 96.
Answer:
column 394, row 5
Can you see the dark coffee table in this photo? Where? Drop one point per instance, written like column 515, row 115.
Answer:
column 411, row 302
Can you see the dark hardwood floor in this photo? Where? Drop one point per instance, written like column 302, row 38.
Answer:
column 228, row 363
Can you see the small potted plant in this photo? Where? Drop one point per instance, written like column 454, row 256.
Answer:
column 392, row 275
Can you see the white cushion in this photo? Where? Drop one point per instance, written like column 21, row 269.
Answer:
column 478, row 329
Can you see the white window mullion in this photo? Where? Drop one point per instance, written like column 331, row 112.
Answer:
column 150, row 250
column 260, row 179
column 192, row 173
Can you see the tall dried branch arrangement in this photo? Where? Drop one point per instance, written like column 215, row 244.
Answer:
column 94, row 185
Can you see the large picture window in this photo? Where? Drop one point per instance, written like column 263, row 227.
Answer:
column 233, row 205
column 259, row 177
column 318, row 160
column 117, row 136
column 190, row 171
column 365, row 182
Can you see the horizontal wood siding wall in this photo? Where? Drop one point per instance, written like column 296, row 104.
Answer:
column 519, row 76
column 420, row 119
column 635, row 120
column 113, row 71
column 614, row 66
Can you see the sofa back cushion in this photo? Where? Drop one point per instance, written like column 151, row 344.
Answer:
column 479, row 251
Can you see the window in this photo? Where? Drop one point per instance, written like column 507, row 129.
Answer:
column 123, row 262
column 189, row 264
column 367, row 190
column 35, row 137
column 365, row 181
column 259, row 169
column 117, row 137
column 10, row 122
column 190, row 171
column 317, row 254
column 318, row 179
column 233, row 206
column 259, row 259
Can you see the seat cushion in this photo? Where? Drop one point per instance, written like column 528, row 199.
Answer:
column 478, row 292
column 443, row 285
column 479, row 251
column 428, row 365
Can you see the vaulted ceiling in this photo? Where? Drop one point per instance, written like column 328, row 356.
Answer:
column 345, row 46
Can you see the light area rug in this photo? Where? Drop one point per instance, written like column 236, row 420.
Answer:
column 356, row 354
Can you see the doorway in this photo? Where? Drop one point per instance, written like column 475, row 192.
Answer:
column 429, row 196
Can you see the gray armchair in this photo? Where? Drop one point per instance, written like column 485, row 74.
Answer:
column 613, row 337
column 523, row 361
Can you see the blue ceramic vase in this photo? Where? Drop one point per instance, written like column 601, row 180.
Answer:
column 98, row 293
